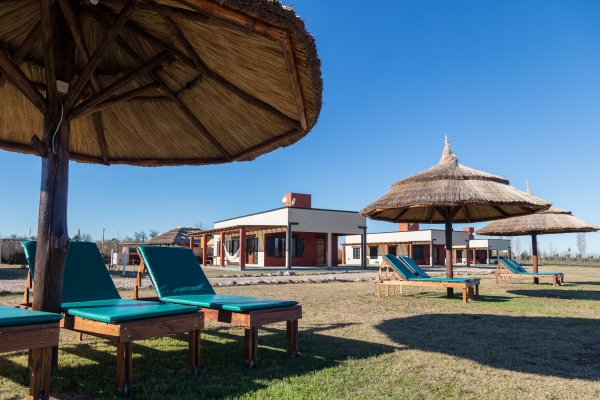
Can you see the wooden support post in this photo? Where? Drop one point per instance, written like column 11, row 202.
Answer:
column 534, row 256
column 204, row 249
column 192, row 243
column 387, row 248
column 292, row 338
column 222, row 250
column 242, row 248
column 410, row 250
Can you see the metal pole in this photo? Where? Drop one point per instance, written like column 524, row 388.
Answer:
column 468, row 254
column 363, row 251
column 431, row 253
column 488, row 255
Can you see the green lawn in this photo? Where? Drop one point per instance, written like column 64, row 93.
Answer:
column 518, row 341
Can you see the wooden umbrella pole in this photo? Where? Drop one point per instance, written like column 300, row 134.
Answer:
column 534, row 256
column 449, row 269
column 53, row 236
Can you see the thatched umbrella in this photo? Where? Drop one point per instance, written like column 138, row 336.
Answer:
column 553, row 220
column 150, row 83
column 450, row 192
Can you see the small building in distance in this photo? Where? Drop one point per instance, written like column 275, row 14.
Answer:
column 179, row 237
column 426, row 247
column 293, row 235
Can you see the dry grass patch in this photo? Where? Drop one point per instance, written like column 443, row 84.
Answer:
column 519, row 341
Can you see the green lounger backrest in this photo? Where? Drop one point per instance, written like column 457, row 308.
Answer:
column 174, row 271
column 518, row 266
column 399, row 266
column 411, row 264
column 86, row 277
column 510, row 265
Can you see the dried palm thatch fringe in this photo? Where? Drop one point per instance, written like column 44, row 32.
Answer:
column 475, row 195
column 245, row 100
column 553, row 220
column 175, row 237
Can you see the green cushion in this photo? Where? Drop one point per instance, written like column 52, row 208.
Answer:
column 123, row 310
column 229, row 303
column 86, row 277
column 399, row 266
column 410, row 263
column 174, row 271
column 519, row 269
column 10, row 316
column 509, row 265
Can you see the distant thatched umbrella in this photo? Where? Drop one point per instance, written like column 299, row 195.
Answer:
column 150, row 83
column 179, row 236
column 450, row 192
column 553, row 220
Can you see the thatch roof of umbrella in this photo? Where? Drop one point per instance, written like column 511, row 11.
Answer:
column 553, row 220
column 183, row 82
column 175, row 237
column 474, row 196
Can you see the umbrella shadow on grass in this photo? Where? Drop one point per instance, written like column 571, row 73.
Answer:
column 562, row 347
column 159, row 365
column 559, row 294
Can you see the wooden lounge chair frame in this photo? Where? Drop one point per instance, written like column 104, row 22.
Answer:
column 505, row 274
column 40, row 338
column 249, row 320
column 388, row 276
column 124, row 333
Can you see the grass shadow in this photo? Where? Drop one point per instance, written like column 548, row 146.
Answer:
column 159, row 365
column 559, row 294
column 562, row 347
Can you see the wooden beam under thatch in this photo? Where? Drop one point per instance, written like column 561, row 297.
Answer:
column 89, row 68
column 29, row 41
column 121, row 98
column 118, row 84
column 289, row 135
column 74, row 24
column 99, row 128
column 21, row 82
column 47, row 26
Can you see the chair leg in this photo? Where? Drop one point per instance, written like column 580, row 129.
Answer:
column 476, row 290
column 464, row 295
column 393, row 289
column 401, row 289
column 124, row 368
column 194, row 352
column 248, row 347
column 79, row 337
column 40, row 373
column 255, row 344
column 471, row 293
column 378, row 291
column 292, row 338
column 387, row 290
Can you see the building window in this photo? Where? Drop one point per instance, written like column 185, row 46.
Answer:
column 373, row 252
column 356, row 253
column 276, row 247
column 252, row 248
column 393, row 250
column 418, row 252
column 232, row 246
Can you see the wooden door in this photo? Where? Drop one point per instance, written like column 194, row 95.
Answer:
column 320, row 251
column 251, row 250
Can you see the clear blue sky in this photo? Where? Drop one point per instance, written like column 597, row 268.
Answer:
column 515, row 85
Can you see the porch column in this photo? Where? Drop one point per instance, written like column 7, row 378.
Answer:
column 410, row 250
column 387, row 248
column 204, row 249
column 192, row 243
column 363, row 249
column 288, row 245
column 534, row 256
column 344, row 253
column 488, row 255
column 242, row 261
column 334, row 250
column 509, row 253
column 329, row 249
column 222, row 250
column 431, row 254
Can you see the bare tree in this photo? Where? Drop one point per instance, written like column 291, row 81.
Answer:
column 153, row 233
column 200, row 225
column 581, row 243
column 516, row 246
column 140, row 237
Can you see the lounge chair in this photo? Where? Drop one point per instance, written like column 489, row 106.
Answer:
column 36, row 330
column 178, row 278
column 92, row 305
column 507, row 269
column 394, row 272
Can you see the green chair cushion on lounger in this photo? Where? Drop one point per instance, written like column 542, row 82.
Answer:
column 409, row 275
column 518, row 268
column 10, row 316
column 178, row 278
column 89, row 292
column 85, row 276
column 228, row 303
column 118, row 310
column 412, row 265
